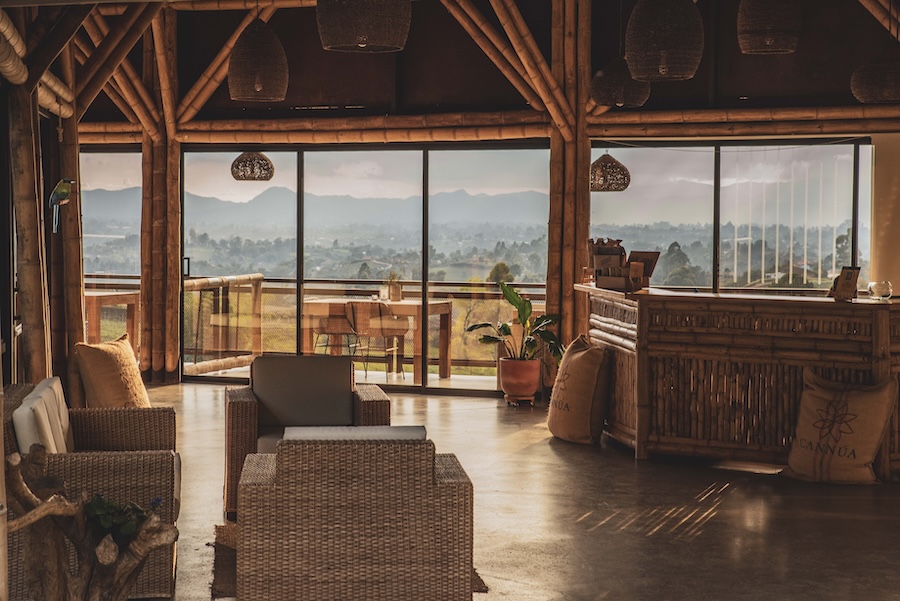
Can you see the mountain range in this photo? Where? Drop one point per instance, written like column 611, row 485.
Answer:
column 277, row 206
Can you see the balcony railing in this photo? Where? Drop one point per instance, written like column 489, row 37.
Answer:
column 225, row 324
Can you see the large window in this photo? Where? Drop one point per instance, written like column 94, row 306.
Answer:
column 401, row 249
column 787, row 215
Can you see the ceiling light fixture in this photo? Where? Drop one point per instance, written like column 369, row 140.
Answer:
column 768, row 26
column 363, row 25
column 609, row 175
column 258, row 68
column 252, row 166
column 664, row 40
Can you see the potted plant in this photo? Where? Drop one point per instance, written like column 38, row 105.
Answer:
column 395, row 291
column 520, row 371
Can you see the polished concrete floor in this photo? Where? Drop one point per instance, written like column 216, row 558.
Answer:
column 560, row 521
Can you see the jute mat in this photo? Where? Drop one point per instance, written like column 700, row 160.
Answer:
column 224, row 566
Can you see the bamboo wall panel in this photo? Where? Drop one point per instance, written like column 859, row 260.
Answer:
column 724, row 373
column 613, row 325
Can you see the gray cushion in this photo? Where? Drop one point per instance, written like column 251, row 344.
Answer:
column 356, row 433
column 303, row 390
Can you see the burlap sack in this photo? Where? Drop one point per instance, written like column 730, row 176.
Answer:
column 839, row 430
column 580, row 394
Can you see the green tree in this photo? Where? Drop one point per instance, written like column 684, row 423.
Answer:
column 500, row 273
column 364, row 272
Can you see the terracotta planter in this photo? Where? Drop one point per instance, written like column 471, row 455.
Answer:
column 519, row 380
column 395, row 291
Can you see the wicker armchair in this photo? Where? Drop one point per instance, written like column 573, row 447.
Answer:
column 362, row 520
column 295, row 381
column 125, row 454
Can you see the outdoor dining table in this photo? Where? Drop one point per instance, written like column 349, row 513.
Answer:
column 316, row 308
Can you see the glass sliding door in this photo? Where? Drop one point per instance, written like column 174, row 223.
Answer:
column 362, row 261
column 488, row 212
column 240, row 268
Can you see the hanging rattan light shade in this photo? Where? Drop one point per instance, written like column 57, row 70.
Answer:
column 609, row 175
column 614, row 86
column 252, row 166
column 878, row 81
column 664, row 40
column 258, row 69
column 768, row 26
column 363, row 25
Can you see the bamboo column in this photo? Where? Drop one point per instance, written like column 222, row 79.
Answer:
column 30, row 258
column 158, row 261
column 144, row 358
column 70, row 222
column 173, row 261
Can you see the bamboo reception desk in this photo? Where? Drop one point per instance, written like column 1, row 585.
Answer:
column 720, row 375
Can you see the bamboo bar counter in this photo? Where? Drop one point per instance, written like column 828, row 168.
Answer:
column 720, row 375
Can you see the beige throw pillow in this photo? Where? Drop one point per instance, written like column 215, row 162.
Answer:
column 580, row 394
column 110, row 374
column 839, row 430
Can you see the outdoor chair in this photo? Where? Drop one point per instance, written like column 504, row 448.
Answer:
column 293, row 390
column 335, row 335
column 378, row 330
column 330, row 517
column 126, row 454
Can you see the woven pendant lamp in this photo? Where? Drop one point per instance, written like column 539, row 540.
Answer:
column 768, row 26
column 614, row 86
column 258, row 69
column 252, row 166
column 363, row 25
column 664, row 40
column 609, row 175
column 878, row 81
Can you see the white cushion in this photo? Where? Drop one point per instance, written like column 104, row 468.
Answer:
column 43, row 418
column 355, row 433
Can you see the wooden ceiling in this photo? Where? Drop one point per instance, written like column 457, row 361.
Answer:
column 442, row 70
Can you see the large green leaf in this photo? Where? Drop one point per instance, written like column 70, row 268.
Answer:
column 522, row 305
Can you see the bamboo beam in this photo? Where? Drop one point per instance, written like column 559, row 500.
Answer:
column 71, row 228
column 564, row 69
column 761, row 129
column 144, row 359
column 40, row 58
column 449, row 134
column 108, row 127
column 239, row 4
column 107, row 46
column 164, row 45
column 215, row 73
column 130, row 74
column 82, row 47
column 173, row 260
column 581, row 229
column 158, row 260
column 477, row 31
column 885, row 14
column 30, row 258
column 532, row 63
column 88, row 94
column 110, row 138
column 127, row 87
column 371, row 122
column 822, row 113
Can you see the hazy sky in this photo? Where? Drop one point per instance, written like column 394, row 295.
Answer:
column 362, row 174
column 667, row 184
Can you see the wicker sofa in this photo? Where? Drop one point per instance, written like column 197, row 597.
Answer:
column 125, row 454
column 354, row 519
column 293, row 390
